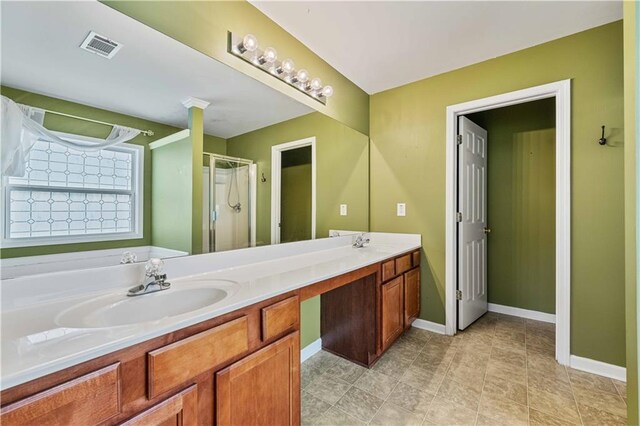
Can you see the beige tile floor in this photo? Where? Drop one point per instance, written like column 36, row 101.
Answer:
column 500, row 371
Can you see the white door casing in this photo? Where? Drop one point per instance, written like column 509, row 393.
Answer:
column 561, row 91
column 276, row 184
column 472, row 205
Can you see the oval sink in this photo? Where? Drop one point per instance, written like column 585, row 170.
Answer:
column 118, row 309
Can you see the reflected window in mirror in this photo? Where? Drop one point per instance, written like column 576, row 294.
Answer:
column 69, row 196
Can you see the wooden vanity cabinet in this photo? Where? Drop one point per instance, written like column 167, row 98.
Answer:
column 399, row 296
column 392, row 312
column 262, row 388
column 172, row 379
column 236, row 369
column 365, row 311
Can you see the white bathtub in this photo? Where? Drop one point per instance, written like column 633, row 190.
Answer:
column 32, row 265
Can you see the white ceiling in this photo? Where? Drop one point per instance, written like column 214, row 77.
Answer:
column 384, row 44
column 148, row 78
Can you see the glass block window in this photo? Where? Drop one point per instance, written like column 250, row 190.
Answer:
column 66, row 194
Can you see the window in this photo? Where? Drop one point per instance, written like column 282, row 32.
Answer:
column 69, row 196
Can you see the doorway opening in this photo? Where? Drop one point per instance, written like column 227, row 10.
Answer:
column 468, row 225
column 293, row 191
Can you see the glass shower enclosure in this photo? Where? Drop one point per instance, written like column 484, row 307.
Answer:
column 229, row 203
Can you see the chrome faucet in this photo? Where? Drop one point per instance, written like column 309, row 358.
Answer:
column 361, row 240
column 153, row 269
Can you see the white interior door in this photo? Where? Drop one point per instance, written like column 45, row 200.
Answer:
column 472, row 225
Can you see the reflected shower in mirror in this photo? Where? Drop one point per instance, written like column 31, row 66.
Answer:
column 228, row 198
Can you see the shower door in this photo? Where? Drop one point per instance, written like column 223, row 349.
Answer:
column 228, row 204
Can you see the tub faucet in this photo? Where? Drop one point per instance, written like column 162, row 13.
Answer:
column 361, row 240
column 153, row 269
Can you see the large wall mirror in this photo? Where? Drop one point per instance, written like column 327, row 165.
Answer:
column 191, row 177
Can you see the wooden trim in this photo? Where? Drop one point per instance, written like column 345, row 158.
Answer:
column 598, row 367
column 523, row 313
column 332, row 283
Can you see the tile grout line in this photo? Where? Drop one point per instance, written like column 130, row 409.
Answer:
column 526, row 371
column 575, row 400
column 443, row 379
column 484, row 378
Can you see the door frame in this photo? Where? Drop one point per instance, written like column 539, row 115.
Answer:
column 276, row 184
column 561, row 91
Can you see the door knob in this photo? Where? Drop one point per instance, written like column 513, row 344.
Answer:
column 487, row 230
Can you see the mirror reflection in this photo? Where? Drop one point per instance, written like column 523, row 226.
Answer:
column 120, row 144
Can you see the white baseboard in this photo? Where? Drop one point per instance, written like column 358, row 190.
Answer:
column 428, row 325
column 310, row 350
column 598, row 367
column 523, row 313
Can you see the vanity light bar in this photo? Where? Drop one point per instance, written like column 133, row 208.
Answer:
column 246, row 48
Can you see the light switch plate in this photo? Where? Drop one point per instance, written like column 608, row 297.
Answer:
column 343, row 209
column 401, row 209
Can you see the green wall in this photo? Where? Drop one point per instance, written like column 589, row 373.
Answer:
column 214, row 144
column 521, row 204
column 342, row 170
column 342, row 178
column 172, row 195
column 203, row 25
column 295, row 211
column 68, row 125
column 631, row 45
column 408, row 165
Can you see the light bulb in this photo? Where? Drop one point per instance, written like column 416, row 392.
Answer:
column 270, row 55
column 302, row 76
column 249, row 43
column 327, row 91
column 287, row 66
column 316, row 84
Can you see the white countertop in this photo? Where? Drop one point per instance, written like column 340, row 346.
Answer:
column 34, row 345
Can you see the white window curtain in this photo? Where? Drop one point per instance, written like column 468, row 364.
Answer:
column 22, row 127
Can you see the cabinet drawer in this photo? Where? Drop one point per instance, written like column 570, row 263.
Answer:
column 180, row 409
column 175, row 364
column 415, row 258
column 280, row 317
column 388, row 270
column 87, row 400
column 403, row 264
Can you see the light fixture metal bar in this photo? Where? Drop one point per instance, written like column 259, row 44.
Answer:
column 270, row 68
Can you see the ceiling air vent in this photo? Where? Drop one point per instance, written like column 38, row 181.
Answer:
column 100, row 45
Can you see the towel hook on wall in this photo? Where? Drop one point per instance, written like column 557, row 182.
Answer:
column 603, row 140
column 263, row 179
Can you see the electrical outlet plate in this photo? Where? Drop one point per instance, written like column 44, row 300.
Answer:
column 343, row 209
column 401, row 209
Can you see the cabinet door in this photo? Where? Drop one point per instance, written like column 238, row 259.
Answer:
column 179, row 410
column 262, row 388
column 392, row 312
column 411, row 296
